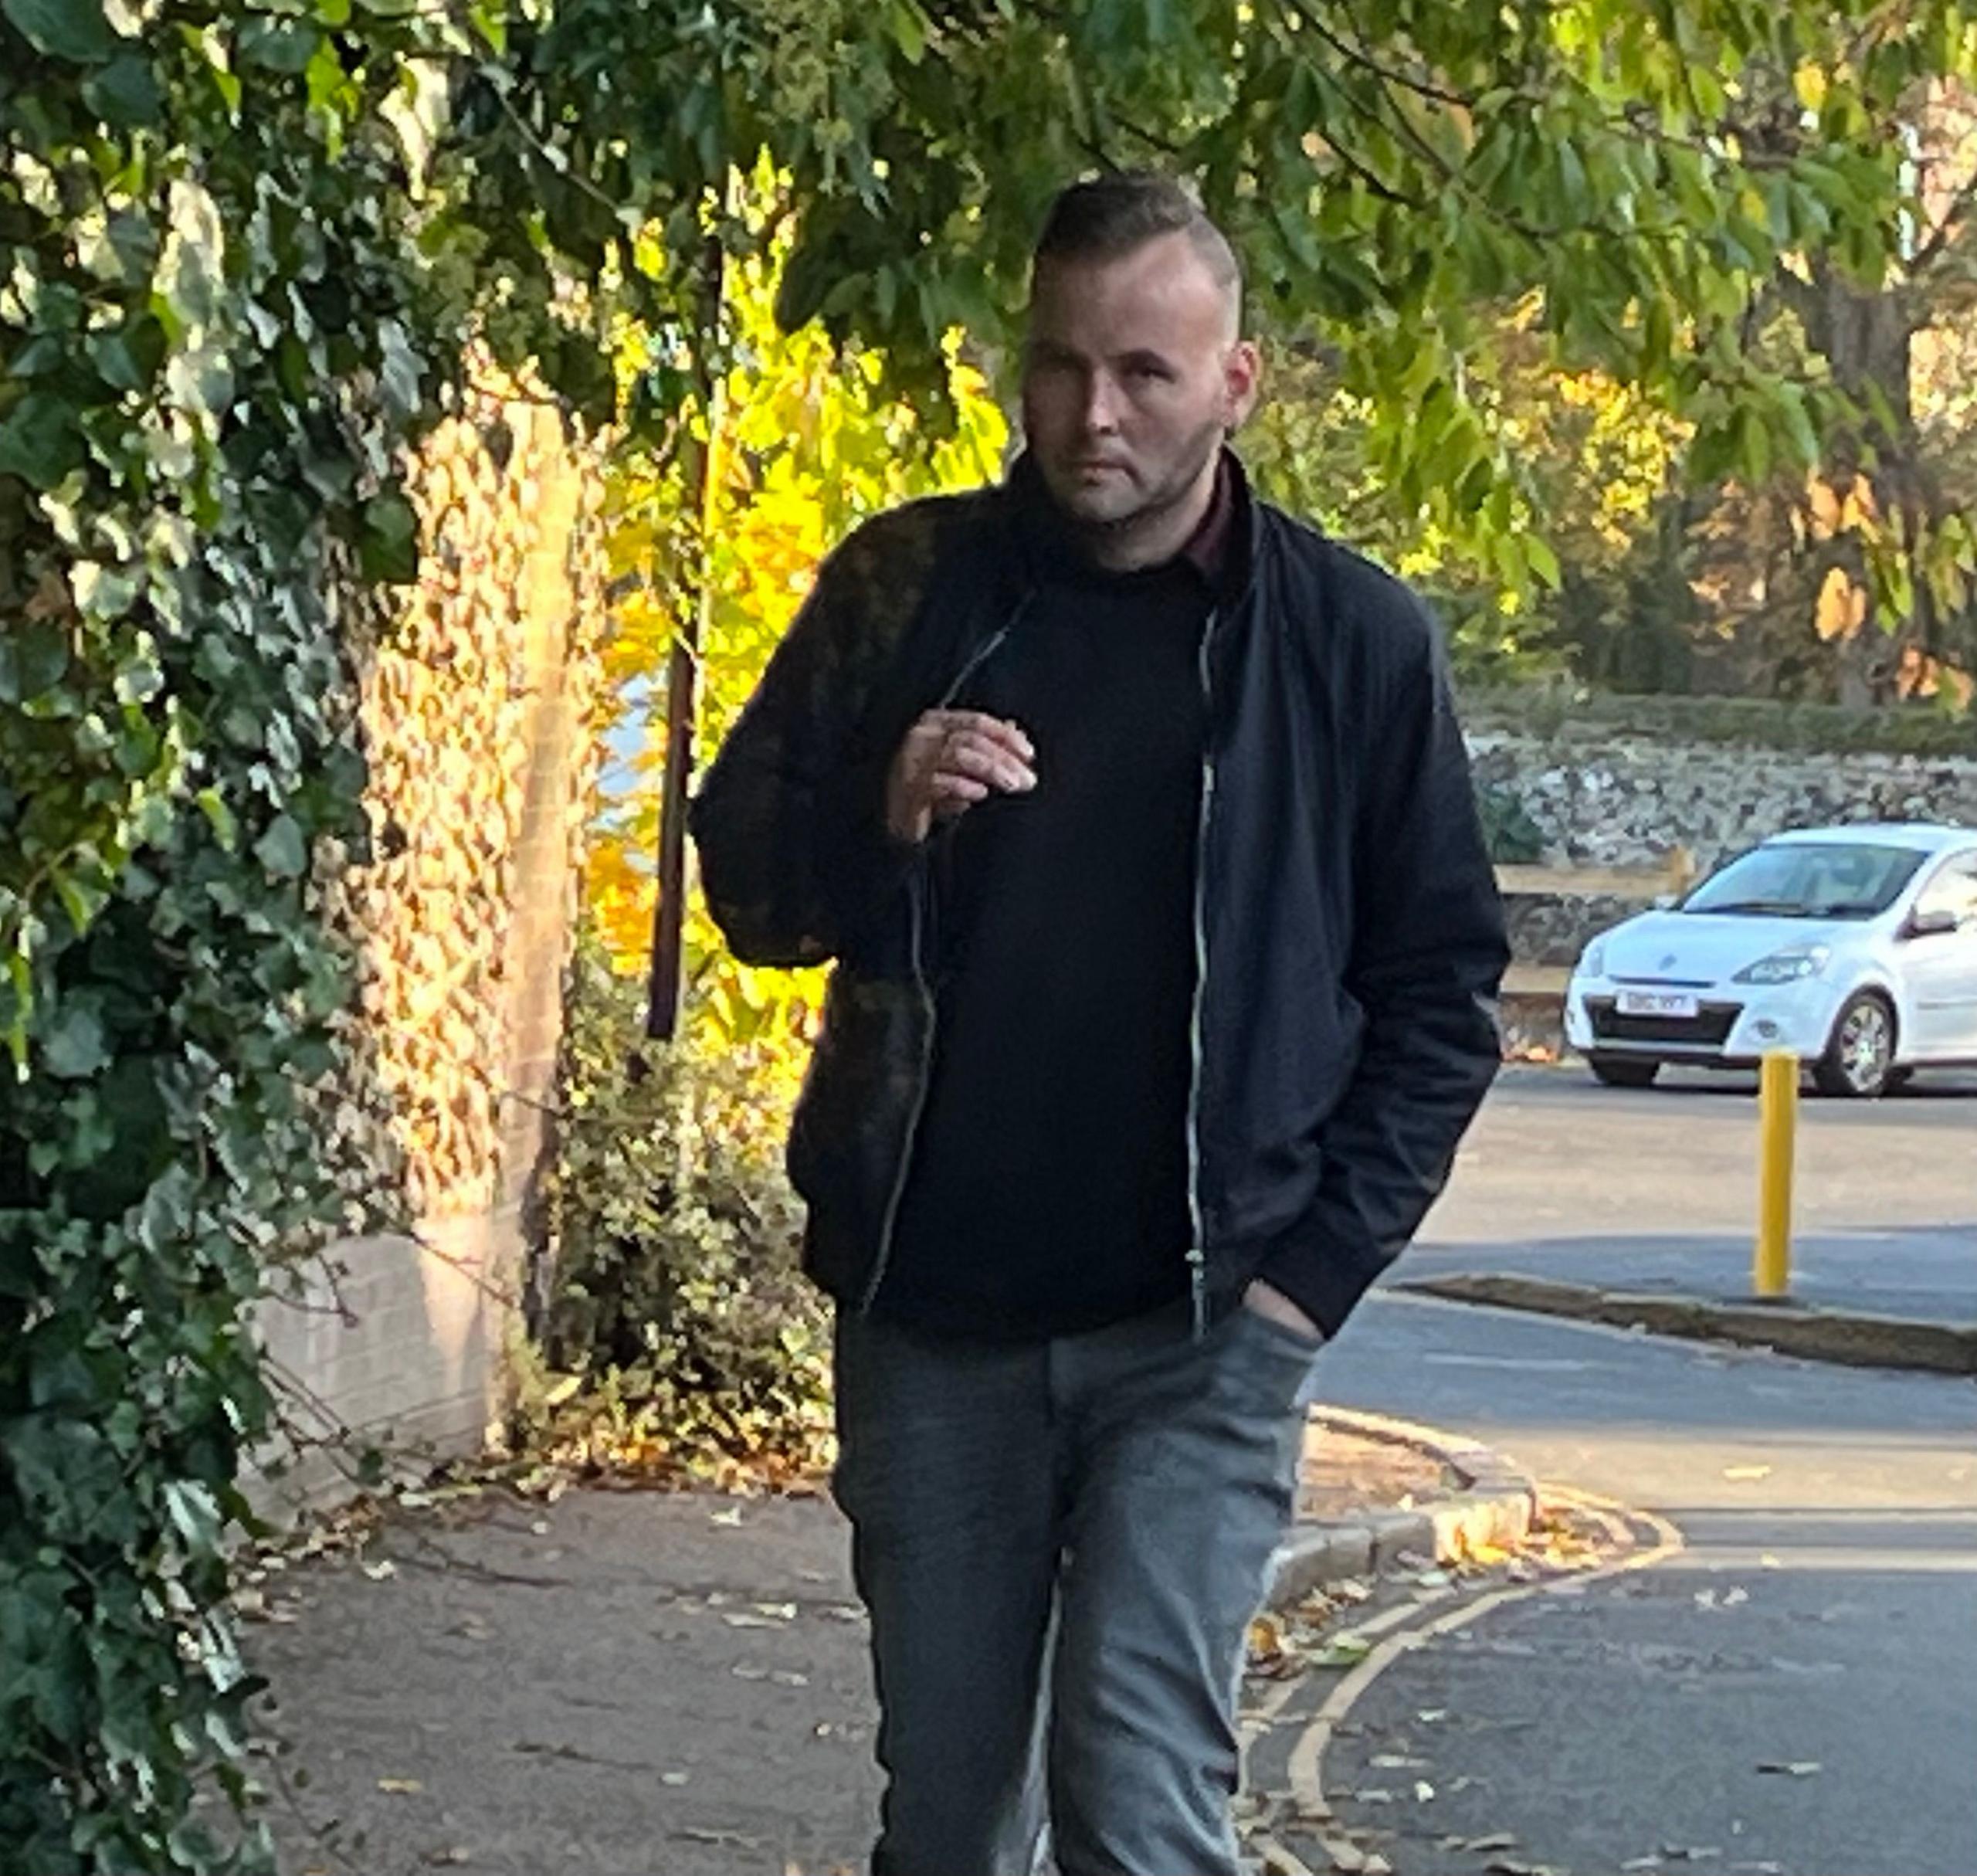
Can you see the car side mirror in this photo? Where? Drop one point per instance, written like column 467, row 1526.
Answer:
column 1932, row 924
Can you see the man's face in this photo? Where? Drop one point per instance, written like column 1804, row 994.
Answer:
column 1132, row 376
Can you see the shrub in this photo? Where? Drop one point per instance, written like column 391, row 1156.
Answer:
column 681, row 1337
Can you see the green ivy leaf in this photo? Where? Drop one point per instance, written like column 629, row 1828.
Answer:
column 42, row 440
column 226, row 830
column 125, row 94
column 279, row 46
column 74, row 1047
column 388, row 546
column 284, row 849
column 72, row 29
column 33, row 658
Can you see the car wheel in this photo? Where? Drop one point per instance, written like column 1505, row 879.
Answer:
column 1858, row 1061
column 1622, row 1071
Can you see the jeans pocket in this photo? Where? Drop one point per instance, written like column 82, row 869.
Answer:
column 1266, row 1362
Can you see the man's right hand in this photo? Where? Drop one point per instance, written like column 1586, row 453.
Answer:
column 949, row 760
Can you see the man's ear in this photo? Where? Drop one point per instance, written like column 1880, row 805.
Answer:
column 1242, row 382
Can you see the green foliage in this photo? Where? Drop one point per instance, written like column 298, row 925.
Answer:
column 1515, row 839
column 1642, row 171
column 690, row 1342
column 206, row 324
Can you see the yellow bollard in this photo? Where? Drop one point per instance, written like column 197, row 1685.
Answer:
column 1778, row 1122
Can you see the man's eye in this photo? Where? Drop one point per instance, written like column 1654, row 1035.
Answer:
column 1156, row 373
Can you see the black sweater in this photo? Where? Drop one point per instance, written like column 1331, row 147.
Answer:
column 1049, row 1188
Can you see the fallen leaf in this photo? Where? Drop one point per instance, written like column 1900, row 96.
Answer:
column 381, row 1571
column 1424, row 1793
column 1638, row 1863
column 445, row 1859
column 729, row 1519
column 1746, row 1473
column 1374, row 1796
column 675, row 1779
column 1345, row 1651
column 1793, row 1768
column 724, row 1840
column 742, row 1619
column 1397, row 1762
column 1500, row 1840
column 401, row 1787
column 784, row 1676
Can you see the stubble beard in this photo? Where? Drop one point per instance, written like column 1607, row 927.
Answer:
column 1152, row 508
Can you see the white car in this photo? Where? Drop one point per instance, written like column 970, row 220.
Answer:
column 1855, row 947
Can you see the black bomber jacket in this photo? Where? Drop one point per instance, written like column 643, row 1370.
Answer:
column 1350, row 940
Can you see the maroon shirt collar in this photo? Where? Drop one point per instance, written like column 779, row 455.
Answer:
column 1207, row 550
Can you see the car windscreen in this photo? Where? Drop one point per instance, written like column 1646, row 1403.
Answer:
column 1808, row 880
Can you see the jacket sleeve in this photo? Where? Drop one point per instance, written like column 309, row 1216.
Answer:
column 1428, row 954
column 790, row 819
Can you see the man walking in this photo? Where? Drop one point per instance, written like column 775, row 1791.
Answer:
column 1136, row 818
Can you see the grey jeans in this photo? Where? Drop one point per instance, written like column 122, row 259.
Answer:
column 1061, row 1545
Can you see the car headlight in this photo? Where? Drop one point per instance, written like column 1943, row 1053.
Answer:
column 1787, row 966
column 1593, row 963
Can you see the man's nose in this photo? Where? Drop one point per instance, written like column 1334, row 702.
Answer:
column 1101, row 404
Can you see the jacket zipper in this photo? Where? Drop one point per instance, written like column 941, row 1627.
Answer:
column 924, row 1081
column 1198, row 1249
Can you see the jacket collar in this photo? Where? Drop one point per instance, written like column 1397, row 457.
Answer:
column 1040, row 540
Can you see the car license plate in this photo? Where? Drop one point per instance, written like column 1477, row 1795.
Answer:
column 1659, row 1004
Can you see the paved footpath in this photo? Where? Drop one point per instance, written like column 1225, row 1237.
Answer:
column 622, row 1684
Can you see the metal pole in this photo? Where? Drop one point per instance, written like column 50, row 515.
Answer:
column 682, row 677
column 1777, row 1103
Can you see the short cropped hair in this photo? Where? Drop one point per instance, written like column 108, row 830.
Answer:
column 1113, row 215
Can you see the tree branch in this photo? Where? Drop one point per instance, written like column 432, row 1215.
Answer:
column 1355, row 53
